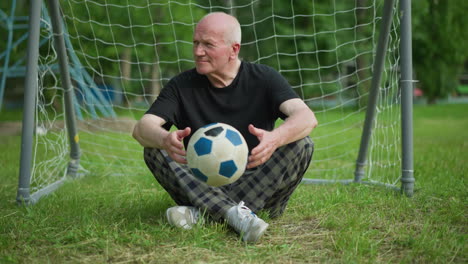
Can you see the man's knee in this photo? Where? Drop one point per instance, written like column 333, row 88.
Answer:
column 302, row 149
column 306, row 144
column 154, row 159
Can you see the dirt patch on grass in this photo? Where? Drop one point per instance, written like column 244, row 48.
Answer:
column 11, row 128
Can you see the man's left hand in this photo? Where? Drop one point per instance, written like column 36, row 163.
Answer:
column 269, row 142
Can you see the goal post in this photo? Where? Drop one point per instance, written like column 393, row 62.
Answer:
column 102, row 63
column 406, row 83
column 30, row 100
column 23, row 194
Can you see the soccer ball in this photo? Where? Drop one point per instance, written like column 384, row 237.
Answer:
column 217, row 154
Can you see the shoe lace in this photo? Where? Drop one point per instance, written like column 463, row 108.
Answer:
column 245, row 216
column 194, row 214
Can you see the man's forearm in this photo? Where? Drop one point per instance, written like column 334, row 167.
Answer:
column 296, row 126
column 149, row 133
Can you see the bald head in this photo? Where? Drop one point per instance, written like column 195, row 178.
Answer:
column 224, row 23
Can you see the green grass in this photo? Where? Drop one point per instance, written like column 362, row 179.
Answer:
column 102, row 218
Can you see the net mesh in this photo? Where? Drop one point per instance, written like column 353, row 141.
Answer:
column 122, row 52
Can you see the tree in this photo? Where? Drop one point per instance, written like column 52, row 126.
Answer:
column 135, row 42
column 439, row 45
column 312, row 40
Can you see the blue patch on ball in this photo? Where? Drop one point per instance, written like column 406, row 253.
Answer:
column 203, row 146
column 217, row 154
column 227, row 168
column 234, row 137
column 199, row 175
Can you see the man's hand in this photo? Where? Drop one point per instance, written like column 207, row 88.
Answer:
column 299, row 123
column 269, row 142
column 173, row 145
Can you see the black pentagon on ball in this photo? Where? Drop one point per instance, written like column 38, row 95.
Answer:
column 214, row 132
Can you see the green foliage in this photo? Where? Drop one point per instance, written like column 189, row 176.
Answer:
column 108, row 36
column 310, row 43
column 439, row 45
column 439, row 39
column 19, row 10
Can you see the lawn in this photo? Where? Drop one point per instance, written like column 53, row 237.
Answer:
column 110, row 218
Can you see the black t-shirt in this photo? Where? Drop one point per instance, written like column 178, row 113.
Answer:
column 254, row 97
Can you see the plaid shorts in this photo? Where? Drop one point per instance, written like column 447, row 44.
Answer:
column 267, row 186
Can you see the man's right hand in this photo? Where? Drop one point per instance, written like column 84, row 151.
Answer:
column 149, row 132
column 174, row 146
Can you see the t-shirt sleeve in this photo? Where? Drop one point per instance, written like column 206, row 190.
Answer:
column 166, row 105
column 280, row 90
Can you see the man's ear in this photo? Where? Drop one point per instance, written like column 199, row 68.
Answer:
column 235, row 49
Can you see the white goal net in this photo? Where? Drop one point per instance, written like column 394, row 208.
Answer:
column 121, row 53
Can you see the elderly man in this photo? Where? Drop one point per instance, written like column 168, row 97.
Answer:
column 250, row 97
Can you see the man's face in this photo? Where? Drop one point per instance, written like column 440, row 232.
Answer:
column 211, row 52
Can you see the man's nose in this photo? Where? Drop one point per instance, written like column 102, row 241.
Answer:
column 198, row 50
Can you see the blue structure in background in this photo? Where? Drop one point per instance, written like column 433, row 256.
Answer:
column 98, row 98
column 11, row 23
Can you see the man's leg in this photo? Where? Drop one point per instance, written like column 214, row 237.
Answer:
column 293, row 177
column 197, row 196
column 271, row 184
column 267, row 187
column 184, row 188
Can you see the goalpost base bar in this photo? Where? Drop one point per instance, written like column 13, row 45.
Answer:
column 26, row 199
column 348, row 182
column 24, row 196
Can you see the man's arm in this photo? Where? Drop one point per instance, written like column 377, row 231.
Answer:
column 150, row 133
column 299, row 123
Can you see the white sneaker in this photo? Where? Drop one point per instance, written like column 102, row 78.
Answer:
column 183, row 216
column 246, row 223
